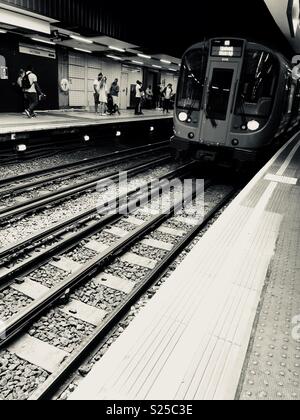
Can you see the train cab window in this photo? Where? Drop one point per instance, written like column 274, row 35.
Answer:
column 258, row 84
column 192, row 80
column 219, row 94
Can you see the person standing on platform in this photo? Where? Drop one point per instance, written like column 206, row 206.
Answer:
column 167, row 95
column 31, row 91
column 103, row 96
column 114, row 91
column 97, row 91
column 149, row 97
column 138, row 98
column 20, row 90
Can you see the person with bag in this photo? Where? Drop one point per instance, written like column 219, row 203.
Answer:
column 103, row 96
column 167, row 95
column 114, row 92
column 32, row 92
column 96, row 86
column 139, row 95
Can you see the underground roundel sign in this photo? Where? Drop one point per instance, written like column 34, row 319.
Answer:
column 65, row 85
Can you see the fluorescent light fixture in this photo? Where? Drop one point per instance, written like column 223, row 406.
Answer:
column 82, row 50
column 166, row 61
column 157, row 67
column 44, row 41
column 145, row 56
column 114, row 57
column 3, row 31
column 172, row 69
column 116, row 49
column 137, row 62
column 80, row 39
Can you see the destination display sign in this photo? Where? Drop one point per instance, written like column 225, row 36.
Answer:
column 227, row 48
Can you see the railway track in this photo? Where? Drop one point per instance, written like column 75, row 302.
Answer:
column 82, row 166
column 107, row 253
column 38, row 203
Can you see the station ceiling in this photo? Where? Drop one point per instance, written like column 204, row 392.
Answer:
column 171, row 27
column 162, row 28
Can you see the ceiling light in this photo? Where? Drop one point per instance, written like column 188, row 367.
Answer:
column 44, row 41
column 166, row 61
column 116, row 49
column 157, row 67
column 138, row 62
column 114, row 57
column 80, row 39
column 82, row 50
column 145, row 56
column 172, row 69
column 3, row 31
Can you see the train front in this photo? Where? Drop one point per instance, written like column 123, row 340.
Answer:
column 225, row 100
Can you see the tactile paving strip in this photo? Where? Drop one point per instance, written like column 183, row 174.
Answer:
column 272, row 366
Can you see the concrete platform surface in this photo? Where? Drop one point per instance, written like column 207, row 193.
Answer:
column 223, row 326
column 16, row 123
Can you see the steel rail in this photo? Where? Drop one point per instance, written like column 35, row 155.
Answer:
column 19, row 322
column 65, row 193
column 72, row 239
column 83, row 169
column 56, row 380
column 12, row 250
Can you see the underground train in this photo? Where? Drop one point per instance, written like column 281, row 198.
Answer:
column 235, row 100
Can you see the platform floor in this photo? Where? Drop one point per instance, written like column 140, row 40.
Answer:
column 223, row 326
column 49, row 120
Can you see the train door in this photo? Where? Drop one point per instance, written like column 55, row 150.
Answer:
column 124, row 102
column 222, row 83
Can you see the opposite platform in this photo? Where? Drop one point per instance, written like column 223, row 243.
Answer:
column 239, row 288
column 51, row 120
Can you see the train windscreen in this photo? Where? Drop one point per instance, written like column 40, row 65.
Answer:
column 192, row 80
column 219, row 94
column 258, row 84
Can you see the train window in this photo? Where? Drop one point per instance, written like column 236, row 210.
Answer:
column 219, row 93
column 258, row 84
column 191, row 84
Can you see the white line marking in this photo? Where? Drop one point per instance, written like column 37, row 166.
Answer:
column 281, row 179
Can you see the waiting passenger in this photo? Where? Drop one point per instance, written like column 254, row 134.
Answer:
column 19, row 88
column 103, row 96
column 97, row 91
column 114, row 91
column 138, row 98
column 167, row 95
column 32, row 92
column 149, row 97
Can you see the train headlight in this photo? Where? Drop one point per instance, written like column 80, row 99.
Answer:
column 183, row 116
column 253, row 125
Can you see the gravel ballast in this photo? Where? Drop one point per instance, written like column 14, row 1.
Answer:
column 18, row 378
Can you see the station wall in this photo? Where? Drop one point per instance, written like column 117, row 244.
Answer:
column 60, row 66
column 46, row 68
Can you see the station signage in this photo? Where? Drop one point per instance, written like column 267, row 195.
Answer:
column 37, row 51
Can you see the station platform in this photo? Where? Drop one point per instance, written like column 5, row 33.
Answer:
column 49, row 120
column 62, row 127
column 224, row 324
